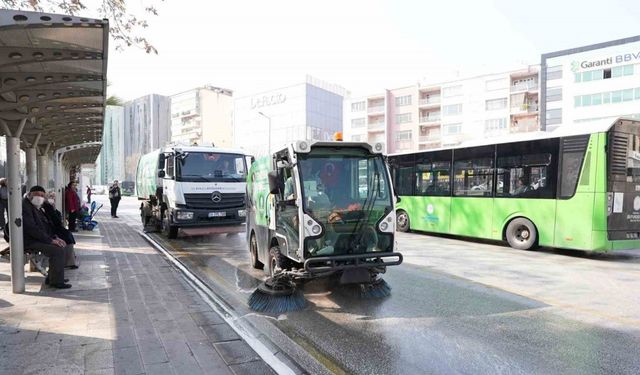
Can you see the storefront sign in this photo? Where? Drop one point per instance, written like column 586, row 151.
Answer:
column 267, row 100
column 617, row 59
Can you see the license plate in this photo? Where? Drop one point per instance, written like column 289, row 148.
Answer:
column 217, row 214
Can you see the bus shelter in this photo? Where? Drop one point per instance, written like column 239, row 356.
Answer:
column 52, row 97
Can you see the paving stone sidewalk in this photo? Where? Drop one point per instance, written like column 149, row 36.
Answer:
column 129, row 312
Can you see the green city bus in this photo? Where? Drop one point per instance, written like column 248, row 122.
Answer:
column 574, row 189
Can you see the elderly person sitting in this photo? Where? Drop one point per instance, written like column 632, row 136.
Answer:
column 39, row 235
column 55, row 218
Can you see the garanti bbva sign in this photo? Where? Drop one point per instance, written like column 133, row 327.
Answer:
column 611, row 60
column 267, row 100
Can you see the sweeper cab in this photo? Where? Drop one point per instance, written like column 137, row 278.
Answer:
column 320, row 209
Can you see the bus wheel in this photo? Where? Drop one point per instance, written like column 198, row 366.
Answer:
column 402, row 221
column 521, row 234
column 253, row 251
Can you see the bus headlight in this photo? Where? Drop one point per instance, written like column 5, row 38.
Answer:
column 242, row 213
column 184, row 215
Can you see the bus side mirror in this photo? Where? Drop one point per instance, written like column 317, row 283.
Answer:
column 161, row 173
column 274, row 182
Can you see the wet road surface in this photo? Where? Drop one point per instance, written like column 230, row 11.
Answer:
column 455, row 307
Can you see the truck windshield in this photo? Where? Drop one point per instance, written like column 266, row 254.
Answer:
column 347, row 191
column 210, row 166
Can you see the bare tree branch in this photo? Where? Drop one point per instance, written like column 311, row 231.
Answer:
column 125, row 25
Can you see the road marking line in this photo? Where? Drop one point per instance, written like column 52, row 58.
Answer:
column 219, row 307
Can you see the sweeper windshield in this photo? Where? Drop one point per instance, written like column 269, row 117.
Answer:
column 347, row 191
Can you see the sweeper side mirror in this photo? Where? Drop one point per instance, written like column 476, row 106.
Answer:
column 275, row 187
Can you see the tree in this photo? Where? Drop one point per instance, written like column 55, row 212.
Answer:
column 125, row 25
column 114, row 100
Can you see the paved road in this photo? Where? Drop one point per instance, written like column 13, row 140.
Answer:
column 456, row 307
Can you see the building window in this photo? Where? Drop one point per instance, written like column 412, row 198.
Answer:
column 403, row 140
column 554, row 116
column 403, row 118
column 357, row 107
column 452, row 129
column 452, row 110
column 403, row 100
column 495, row 124
column 452, row 91
column 494, row 104
column 496, row 84
column 554, row 72
column 358, row 122
column 608, row 73
column 554, row 94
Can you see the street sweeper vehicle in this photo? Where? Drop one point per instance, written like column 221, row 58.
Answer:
column 192, row 186
column 320, row 209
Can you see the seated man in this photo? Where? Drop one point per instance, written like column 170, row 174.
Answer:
column 39, row 235
column 55, row 218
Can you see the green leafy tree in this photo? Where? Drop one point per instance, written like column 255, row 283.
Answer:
column 125, row 25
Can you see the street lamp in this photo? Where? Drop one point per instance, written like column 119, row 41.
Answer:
column 268, row 118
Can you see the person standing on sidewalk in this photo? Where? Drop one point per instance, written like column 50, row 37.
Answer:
column 4, row 201
column 89, row 193
column 72, row 203
column 38, row 235
column 114, row 198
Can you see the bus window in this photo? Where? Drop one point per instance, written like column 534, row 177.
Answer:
column 473, row 172
column 402, row 170
column 523, row 171
column 433, row 174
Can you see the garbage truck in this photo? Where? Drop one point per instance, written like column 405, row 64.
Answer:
column 321, row 208
column 191, row 186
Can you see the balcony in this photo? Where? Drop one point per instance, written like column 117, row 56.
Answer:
column 527, row 86
column 435, row 137
column 524, row 126
column 376, row 109
column 431, row 117
column 376, row 126
column 431, row 100
column 525, row 108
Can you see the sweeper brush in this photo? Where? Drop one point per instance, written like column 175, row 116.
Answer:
column 374, row 290
column 277, row 295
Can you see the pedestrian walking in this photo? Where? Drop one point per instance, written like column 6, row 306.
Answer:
column 89, row 193
column 114, row 198
column 4, row 201
column 72, row 203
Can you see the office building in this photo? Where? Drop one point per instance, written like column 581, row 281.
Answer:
column 146, row 128
column 308, row 110
column 111, row 162
column 202, row 116
column 433, row 115
column 599, row 81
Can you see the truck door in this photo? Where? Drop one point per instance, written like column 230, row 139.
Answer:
column 287, row 228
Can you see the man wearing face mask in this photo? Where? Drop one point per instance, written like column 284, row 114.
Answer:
column 39, row 236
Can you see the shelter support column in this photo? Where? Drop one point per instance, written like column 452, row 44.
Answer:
column 32, row 167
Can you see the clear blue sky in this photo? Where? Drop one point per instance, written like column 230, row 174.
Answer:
column 363, row 45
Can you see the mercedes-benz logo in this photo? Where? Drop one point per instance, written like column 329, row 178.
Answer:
column 216, row 197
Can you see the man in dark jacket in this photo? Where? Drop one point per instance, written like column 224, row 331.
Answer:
column 39, row 236
column 114, row 198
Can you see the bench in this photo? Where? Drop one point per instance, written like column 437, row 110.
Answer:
column 37, row 261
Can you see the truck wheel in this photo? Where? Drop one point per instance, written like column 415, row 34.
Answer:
column 253, row 252
column 169, row 230
column 521, row 234
column 402, row 221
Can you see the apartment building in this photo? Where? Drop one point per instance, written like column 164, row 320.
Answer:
column 202, row 116
column 434, row 115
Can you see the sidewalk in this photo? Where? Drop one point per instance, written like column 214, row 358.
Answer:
column 129, row 312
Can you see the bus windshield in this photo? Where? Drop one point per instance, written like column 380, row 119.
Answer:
column 211, row 166
column 347, row 191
